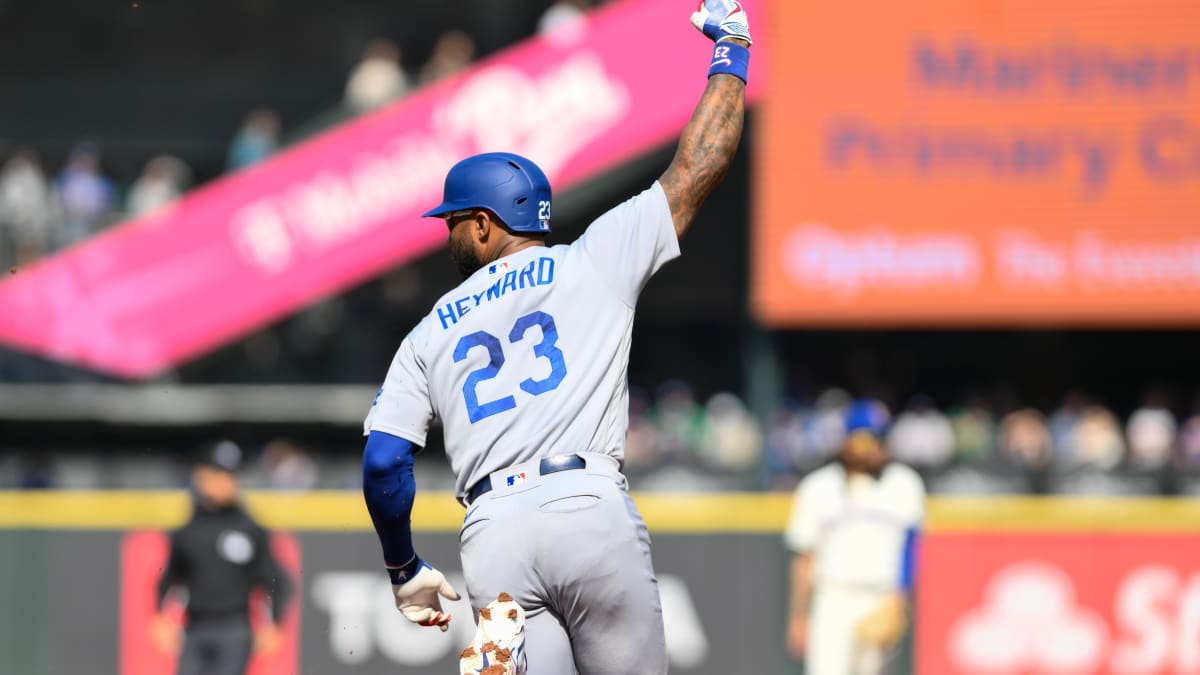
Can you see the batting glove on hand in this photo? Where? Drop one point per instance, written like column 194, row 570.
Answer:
column 721, row 20
column 418, row 597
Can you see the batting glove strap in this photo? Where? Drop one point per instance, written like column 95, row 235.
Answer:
column 730, row 58
column 721, row 20
column 400, row 575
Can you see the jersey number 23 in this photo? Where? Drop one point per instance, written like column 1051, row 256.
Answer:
column 545, row 349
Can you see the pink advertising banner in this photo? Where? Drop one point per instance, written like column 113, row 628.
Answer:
column 344, row 206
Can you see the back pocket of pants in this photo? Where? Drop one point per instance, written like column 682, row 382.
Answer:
column 570, row 504
column 472, row 529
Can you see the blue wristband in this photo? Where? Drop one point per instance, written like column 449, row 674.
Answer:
column 730, row 58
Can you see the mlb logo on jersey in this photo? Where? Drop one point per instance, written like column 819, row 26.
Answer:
column 515, row 479
column 498, row 267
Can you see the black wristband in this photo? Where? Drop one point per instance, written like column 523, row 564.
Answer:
column 404, row 573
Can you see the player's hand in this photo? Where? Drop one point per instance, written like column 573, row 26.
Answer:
column 267, row 639
column 722, row 20
column 797, row 637
column 166, row 634
column 419, row 598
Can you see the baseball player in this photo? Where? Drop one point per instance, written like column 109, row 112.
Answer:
column 853, row 531
column 525, row 365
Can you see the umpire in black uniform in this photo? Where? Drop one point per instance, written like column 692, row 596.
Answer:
column 219, row 556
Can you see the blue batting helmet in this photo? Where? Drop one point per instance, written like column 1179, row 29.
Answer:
column 508, row 185
column 867, row 415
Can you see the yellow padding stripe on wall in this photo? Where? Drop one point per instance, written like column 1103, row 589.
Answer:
column 665, row 513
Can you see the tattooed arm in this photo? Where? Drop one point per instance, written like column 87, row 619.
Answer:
column 706, row 148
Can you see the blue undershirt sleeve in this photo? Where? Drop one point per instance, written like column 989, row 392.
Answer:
column 389, row 489
column 908, row 559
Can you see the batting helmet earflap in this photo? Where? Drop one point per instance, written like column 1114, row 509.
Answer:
column 508, row 185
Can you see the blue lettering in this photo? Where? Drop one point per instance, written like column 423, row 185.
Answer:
column 845, row 137
column 545, row 271
column 479, row 297
column 1073, row 69
column 960, row 69
column 447, row 313
column 1013, row 75
column 527, row 273
column 1031, row 157
column 1098, row 158
column 493, row 291
column 462, row 306
column 946, row 151
column 510, row 281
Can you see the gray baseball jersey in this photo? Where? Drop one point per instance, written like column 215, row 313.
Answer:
column 528, row 357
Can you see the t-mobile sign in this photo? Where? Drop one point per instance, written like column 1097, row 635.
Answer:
column 346, row 205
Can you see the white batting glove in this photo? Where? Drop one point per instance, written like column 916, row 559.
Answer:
column 721, row 20
column 419, row 598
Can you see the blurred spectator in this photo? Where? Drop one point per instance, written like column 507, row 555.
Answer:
column 85, row 194
column 786, row 450
column 564, row 20
column 1064, row 420
column 378, row 78
column 974, row 429
column 1025, row 440
column 257, row 139
column 36, row 471
column 921, row 435
column 642, row 449
column 1150, row 432
column 452, row 53
column 288, row 467
column 561, row 13
column 680, row 420
column 163, row 180
column 732, row 440
column 26, row 208
column 1089, row 466
column 1189, row 441
column 824, row 428
column 1024, row 444
column 1097, row 442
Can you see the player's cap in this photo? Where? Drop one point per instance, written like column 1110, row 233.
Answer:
column 867, row 415
column 508, row 185
column 224, row 455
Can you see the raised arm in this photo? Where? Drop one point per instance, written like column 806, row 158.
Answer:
column 711, row 137
column 706, row 149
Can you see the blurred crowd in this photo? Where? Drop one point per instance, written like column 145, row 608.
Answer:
column 41, row 213
column 679, row 441
column 1081, row 447
column 674, row 429
column 277, row 464
column 971, row 447
column 44, row 208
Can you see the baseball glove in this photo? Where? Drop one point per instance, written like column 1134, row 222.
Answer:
column 885, row 625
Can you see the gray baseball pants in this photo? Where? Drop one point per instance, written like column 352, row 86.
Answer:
column 573, row 551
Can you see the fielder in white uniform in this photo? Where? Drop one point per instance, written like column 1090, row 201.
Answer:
column 853, row 533
column 525, row 365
